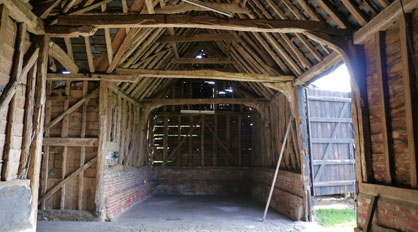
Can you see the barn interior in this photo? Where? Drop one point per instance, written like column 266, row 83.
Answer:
column 106, row 103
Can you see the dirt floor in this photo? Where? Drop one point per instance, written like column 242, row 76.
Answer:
column 189, row 213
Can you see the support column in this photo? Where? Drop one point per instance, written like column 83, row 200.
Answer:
column 38, row 124
column 101, row 153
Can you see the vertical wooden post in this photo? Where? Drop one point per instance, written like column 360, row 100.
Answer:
column 228, row 134
column 384, row 100
column 215, row 131
column 4, row 19
column 12, row 154
column 83, row 149
column 165, row 139
column 202, row 142
column 190, row 140
column 178, row 139
column 64, row 133
column 410, row 94
column 101, row 153
column 38, row 124
column 45, row 157
column 28, row 122
column 239, row 139
column 355, row 61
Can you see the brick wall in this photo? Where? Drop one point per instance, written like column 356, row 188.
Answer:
column 288, row 196
column 203, row 181
column 125, row 188
column 398, row 215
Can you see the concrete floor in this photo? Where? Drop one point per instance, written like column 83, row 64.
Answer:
column 188, row 213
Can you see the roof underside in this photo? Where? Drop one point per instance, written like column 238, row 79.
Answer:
column 244, row 52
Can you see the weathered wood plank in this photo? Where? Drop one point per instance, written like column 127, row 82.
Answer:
column 70, row 141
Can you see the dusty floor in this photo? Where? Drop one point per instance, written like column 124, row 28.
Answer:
column 189, row 213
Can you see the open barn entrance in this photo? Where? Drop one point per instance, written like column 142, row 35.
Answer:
column 331, row 148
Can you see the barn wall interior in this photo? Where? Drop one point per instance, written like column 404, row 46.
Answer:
column 100, row 111
column 389, row 168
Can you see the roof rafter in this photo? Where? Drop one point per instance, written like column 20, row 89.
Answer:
column 203, row 22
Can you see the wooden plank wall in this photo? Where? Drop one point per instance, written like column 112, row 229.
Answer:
column 270, row 128
column 223, row 139
column 124, row 130
column 71, row 141
column 63, row 158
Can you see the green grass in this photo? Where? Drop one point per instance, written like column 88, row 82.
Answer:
column 336, row 217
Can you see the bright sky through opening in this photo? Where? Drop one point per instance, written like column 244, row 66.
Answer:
column 339, row 80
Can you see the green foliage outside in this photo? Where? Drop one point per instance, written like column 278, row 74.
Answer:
column 336, row 217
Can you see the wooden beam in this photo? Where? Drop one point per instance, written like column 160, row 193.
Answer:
column 390, row 192
column 89, row 54
column 72, row 142
column 202, row 61
column 71, row 109
column 384, row 103
column 409, row 81
column 21, row 13
column 61, row 56
column 202, row 22
column 370, row 213
column 204, row 74
column 225, row 8
column 383, row 20
column 46, row 8
column 196, row 38
column 202, row 101
column 327, row 63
